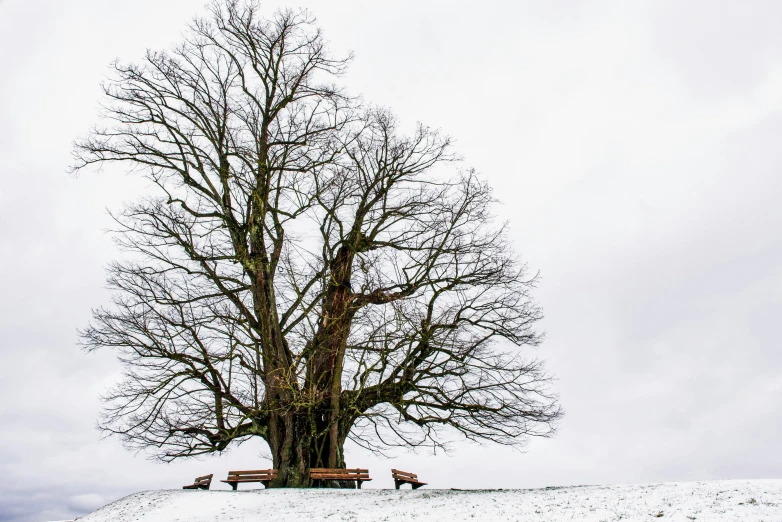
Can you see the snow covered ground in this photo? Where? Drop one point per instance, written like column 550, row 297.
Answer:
column 752, row 500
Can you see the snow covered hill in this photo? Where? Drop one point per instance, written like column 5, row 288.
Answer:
column 752, row 500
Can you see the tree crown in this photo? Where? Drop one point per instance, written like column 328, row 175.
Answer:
column 301, row 256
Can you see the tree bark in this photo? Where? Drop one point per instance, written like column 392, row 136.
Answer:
column 295, row 450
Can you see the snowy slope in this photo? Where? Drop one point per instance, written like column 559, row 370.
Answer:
column 753, row 500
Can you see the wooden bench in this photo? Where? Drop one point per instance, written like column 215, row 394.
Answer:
column 264, row 476
column 403, row 477
column 200, row 483
column 357, row 474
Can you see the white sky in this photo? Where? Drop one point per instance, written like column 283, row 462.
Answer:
column 635, row 147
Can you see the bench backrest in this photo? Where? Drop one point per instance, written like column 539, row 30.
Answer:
column 403, row 475
column 204, row 481
column 257, row 474
column 349, row 474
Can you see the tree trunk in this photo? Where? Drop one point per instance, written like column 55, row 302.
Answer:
column 302, row 441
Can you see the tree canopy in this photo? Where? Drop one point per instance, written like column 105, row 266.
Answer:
column 304, row 271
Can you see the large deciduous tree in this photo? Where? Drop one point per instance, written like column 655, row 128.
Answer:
column 304, row 273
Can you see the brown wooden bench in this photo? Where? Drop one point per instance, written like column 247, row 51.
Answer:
column 357, row 474
column 264, row 476
column 403, row 477
column 200, row 483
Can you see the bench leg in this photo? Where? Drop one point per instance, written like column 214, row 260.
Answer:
column 359, row 484
column 416, row 486
column 234, row 484
column 397, row 483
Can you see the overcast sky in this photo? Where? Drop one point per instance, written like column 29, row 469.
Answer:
column 637, row 151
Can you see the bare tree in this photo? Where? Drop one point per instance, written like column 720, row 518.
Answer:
column 305, row 273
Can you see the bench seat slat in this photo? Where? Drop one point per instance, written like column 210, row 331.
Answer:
column 249, row 479
column 250, row 474
column 338, row 476
column 337, row 473
column 364, row 478
column 338, row 470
